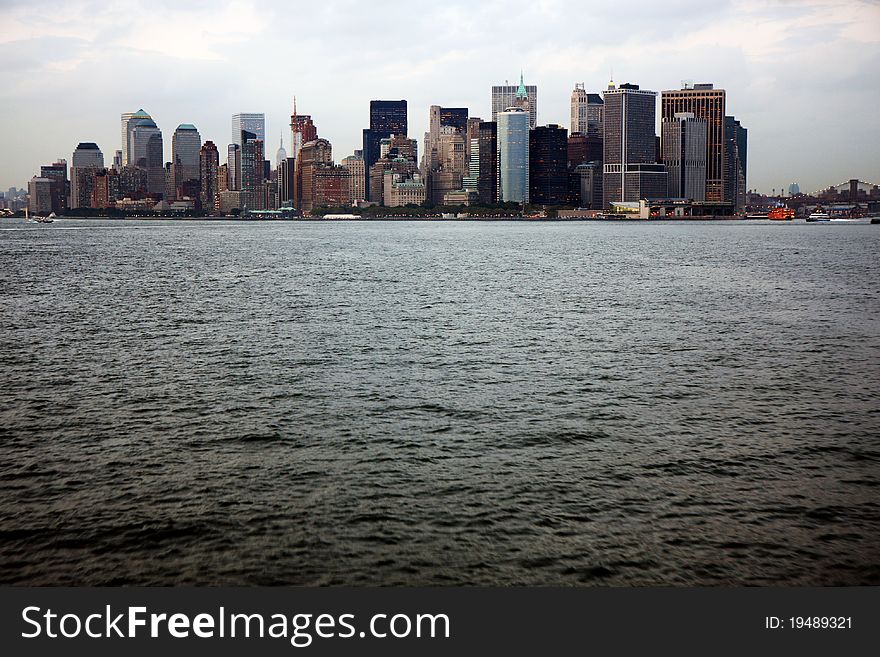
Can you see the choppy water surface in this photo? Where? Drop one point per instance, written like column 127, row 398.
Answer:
column 437, row 403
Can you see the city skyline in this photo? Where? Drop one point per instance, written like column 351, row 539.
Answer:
column 772, row 59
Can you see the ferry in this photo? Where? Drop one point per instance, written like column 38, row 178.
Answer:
column 819, row 215
column 781, row 214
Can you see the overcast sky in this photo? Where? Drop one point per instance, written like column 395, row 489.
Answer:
column 803, row 77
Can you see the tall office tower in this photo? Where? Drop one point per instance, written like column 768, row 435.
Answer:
column 387, row 117
column 438, row 118
column 252, row 191
column 253, row 122
column 487, row 183
column 631, row 171
column 399, row 145
column 233, row 161
column 57, row 173
column 736, row 151
column 117, row 161
column 472, row 132
column 579, row 109
column 355, row 164
column 704, row 102
column 86, row 161
column 145, row 151
column 455, row 117
column 40, row 195
column 451, row 164
column 129, row 120
column 314, row 155
column 286, row 178
column 186, row 146
column 586, row 185
column 509, row 95
column 280, row 154
column 209, row 170
column 683, row 143
column 513, row 155
column 548, row 165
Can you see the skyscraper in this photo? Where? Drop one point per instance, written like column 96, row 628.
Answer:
column 280, row 154
column 86, row 161
column 185, row 148
column 355, row 164
column 252, row 190
column 302, row 130
column 507, row 95
column 704, row 102
column 129, row 120
column 735, row 148
column 513, row 155
column 253, row 122
column 683, row 144
column 387, row 117
column 57, row 173
column 233, row 167
column 548, row 165
column 314, row 155
column 631, row 171
column 587, row 111
column 145, row 151
column 487, row 182
column 209, row 165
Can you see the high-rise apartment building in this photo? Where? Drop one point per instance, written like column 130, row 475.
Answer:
column 86, row 161
column 707, row 103
column 513, row 155
column 548, row 165
column 209, row 171
column 586, row 111
column 186, row 145
column 387, row 117
column 631, row 170
column 253, row 122
column 683, row 145
column 511, row 95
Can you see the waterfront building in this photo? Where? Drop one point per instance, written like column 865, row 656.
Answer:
column 146, row 150
column 57, row 174
column 707, row 103
column 107, row 188
column 735, row 153
column 586, row 185
column 387, row 117
column 404, row 166
column 229, row 202
column 683, row 141
column 40, row 195
column 86, row 160
column 631, row 170
column 209, row 171
column 286, row 183
column 186, row 144
column 548, row 165
column 402, row 189
column 252, row 122
column 355, row 164
column 487, row 182
column 511, row 95
column 513, row 155
column 314, row 155
column 332, row 187
column 252, row 189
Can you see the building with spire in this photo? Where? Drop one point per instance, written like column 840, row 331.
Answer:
column 521, row 95
column 280, row 154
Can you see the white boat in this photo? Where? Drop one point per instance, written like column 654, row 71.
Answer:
column 819, row 216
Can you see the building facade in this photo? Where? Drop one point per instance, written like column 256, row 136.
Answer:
column 707, row 103
column 209, row 172
column 387, row 117
column 186, row 144
column 57, row 174
column 355, row 164
column 253, row 122
column 87, row 159
column 513, row 155
column 40, row 195
column 683, row 143
column 629, row 146
column 505, row 95
column 487, row 181
column 548, row 165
